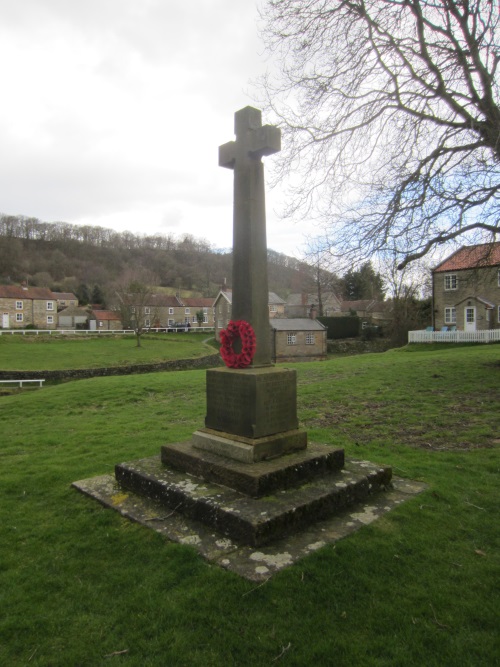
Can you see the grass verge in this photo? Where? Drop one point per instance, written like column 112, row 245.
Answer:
column 81, row 586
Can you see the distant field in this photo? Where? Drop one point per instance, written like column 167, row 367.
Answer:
column 82, row 586
column 44, row 353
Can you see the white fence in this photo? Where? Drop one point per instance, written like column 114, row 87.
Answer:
column 100, row 332
column 490, row 336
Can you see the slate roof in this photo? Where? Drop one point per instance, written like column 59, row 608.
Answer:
column 64, row 296
column 296, row 324
column 471, row 257
column 198, row 302
column 272, row 297
column 18, row 292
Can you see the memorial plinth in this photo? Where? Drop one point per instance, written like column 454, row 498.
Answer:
column 248, row 472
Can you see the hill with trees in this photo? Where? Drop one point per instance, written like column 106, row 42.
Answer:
column 87, row 260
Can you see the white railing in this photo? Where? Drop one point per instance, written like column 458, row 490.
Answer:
column 89, row 332
column 489, row 336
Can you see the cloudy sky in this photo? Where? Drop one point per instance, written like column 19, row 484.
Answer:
column 113, row 110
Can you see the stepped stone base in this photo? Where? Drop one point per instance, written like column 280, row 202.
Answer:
column 253, row 521
column 255, row 479
column 248, row 450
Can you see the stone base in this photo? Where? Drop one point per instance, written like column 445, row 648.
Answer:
column 249, row 520
column 252, row 402
column 249, row 450
column 254, row 479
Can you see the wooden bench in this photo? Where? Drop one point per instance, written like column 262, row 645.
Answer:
column 21, row 382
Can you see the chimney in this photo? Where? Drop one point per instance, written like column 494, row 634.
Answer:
column 313, row 312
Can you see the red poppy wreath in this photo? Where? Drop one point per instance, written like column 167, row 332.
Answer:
column 244, row 331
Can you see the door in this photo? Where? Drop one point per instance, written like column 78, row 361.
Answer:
column 470, row 319
column 5, row 321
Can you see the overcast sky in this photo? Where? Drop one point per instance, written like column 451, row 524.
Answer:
column 113, row 110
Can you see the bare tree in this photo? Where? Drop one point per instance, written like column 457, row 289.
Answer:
column 391, row 118
column 134, row 301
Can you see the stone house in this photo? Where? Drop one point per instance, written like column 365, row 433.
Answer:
column 105, row 320
column 276, row 306
column 64, row 299
column 21, row 306
column 371, row 311
column 304, row 305
column 298, row 339
column 196, row 304
column 73, row 317
column 466, row 289
column 223, row 303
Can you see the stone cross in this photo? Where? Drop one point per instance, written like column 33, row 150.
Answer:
column 250, row 287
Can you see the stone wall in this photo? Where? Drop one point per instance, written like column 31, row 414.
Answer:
column 210, row 361
column 358, row 346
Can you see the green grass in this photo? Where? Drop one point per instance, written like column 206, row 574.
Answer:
column 43, row 353
column 79, row 584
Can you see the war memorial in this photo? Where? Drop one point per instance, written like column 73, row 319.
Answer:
column 248, row 490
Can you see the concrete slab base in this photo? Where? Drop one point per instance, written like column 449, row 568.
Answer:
column 255, row 564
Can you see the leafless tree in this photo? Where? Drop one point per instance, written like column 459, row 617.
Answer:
column 391, row 120
column 135, row 303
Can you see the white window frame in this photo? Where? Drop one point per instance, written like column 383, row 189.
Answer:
column 170, row 311
column 188, row 311
column 19, row 317
column 450, row 282
column 291, row 339
column 310, row 339
column 19, row 305
column 50, row 305
column 273, row 309
column 147, row 310
column 194, row 319
column 147, row 323
column 205, row 318
column 450, row 315
column 101, row 323
column 171, row 323
column 50, row 319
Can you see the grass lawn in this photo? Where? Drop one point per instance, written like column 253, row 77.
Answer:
column 44, row 353
column 81, row 586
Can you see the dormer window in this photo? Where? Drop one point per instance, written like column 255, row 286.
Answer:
column 450, row 281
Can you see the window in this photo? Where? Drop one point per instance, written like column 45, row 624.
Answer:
column 194, row 319
column 450, row 315
column 171, row 323
column 19, row 305
column 188, row 311
column 205, row 318
column 19, row 317
column 147, row 323
column 147, row 311
column 50, row 319
column 101, row 323
column 272, row 309
column 170, row 311
column 450, row 281
column 291, row 339
column 310, row 339
column 50, row 305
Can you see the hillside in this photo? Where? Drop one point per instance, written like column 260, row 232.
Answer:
column 68, row 257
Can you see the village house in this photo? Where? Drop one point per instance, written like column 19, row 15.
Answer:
column 64, row 299
column 466, row 289
column 222, row 309
column 22, row 306
column 298, row 339
column 370, row 311
column 105, row 320
column 306, row 304
column 195, row 305
column 73, row 317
